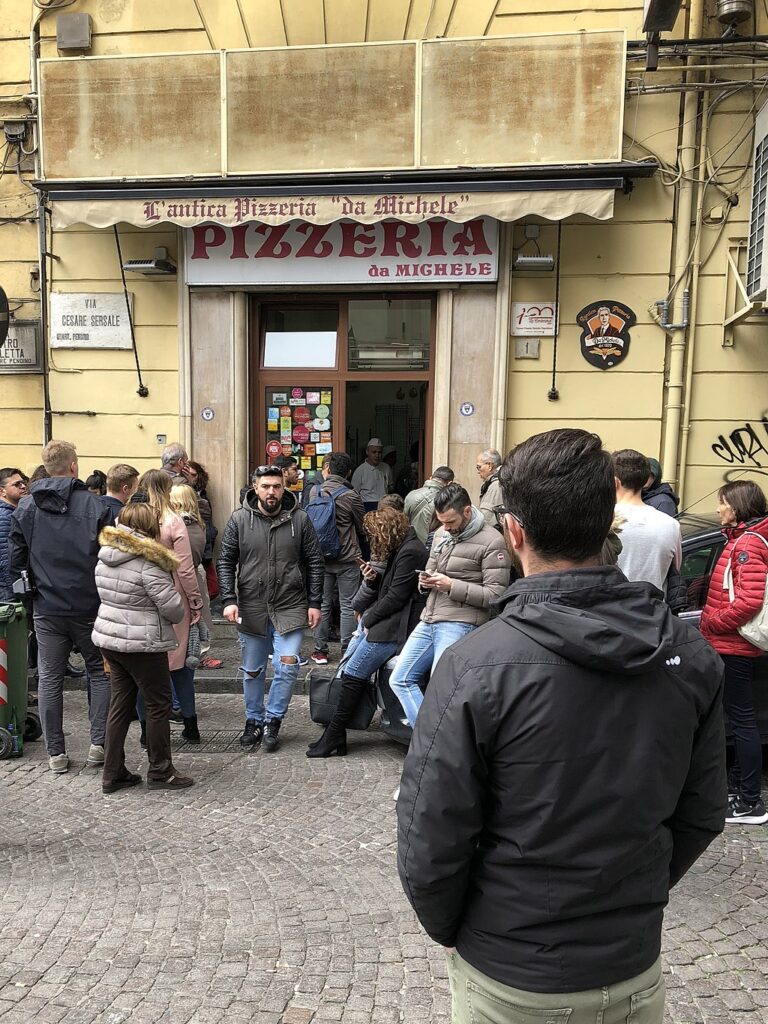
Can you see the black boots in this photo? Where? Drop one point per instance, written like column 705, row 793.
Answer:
column 271, row 740
column 190, row 731
column 143, row 736
column 333, row 742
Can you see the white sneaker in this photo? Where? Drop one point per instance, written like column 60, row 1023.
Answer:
column 58, row 763
column 95, row 756
column 396, row 794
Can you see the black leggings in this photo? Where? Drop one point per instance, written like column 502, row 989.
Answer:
column 739, row 703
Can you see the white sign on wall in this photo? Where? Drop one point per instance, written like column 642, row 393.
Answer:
column 90, row 320
column 343, row 252
column 20, row 352
column 534, row 319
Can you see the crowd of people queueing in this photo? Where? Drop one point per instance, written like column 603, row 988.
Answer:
column 121, row 569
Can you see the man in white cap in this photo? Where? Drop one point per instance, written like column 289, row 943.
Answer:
column 371, row 478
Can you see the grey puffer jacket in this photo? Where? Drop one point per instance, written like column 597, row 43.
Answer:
column 479, row 569
column 139, row 601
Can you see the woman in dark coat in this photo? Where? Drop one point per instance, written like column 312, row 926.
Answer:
column 393, row 608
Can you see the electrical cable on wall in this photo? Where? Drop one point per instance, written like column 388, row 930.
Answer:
column 553, row 394
column 142, row 391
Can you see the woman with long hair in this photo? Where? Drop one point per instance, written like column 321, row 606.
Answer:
column 392, row 608
column 156, row 484
column 741, row 569
column 185, row 504
column 139, row 603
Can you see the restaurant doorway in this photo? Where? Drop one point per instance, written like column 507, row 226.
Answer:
column 332, row 372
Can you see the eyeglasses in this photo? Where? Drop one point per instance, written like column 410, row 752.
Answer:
column 480, row 465
column 266, row 471
column 500, row 511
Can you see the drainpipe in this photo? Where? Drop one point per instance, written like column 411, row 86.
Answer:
column 692, row 333
column 686, row 161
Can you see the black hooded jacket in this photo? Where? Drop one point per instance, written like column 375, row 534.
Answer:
column 55, row 533
column 567, row 767
column 662, row 497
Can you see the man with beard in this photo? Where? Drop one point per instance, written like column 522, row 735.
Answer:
column 468, row 567
column 567, row 767
column 271, row 581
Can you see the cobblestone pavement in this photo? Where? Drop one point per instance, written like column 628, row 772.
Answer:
column 268, row 893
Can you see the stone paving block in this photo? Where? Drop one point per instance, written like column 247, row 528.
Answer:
column 268, row 894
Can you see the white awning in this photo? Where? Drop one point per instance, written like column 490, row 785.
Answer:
column 411, row 207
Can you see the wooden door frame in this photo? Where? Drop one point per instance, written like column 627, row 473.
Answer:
column 336, row 377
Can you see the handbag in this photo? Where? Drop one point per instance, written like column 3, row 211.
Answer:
column 324, row 692
column 756, row 630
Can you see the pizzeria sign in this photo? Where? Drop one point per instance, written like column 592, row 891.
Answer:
column 342, row 252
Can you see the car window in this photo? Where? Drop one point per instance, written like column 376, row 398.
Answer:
column 696, row 569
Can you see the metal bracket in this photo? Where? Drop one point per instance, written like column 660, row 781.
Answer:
column 736, row 293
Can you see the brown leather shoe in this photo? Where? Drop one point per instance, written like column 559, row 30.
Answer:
column 172, row 782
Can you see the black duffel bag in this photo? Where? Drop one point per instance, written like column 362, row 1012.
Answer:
column 324, row 691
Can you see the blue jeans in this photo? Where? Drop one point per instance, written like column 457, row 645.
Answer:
column 420, row 655
column 256, row 650
column 367, row 657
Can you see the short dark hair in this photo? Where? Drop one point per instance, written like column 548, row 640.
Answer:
column 284, row 462
column 631, row 469
column 745, row 498
column 7, row 473
column 395, row 501
column 452, row 496
column 340, row 464
column 265, row 470
column 560, row 486
column 444, row 474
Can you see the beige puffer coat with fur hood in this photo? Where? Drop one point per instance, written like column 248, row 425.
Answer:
column 139, row 601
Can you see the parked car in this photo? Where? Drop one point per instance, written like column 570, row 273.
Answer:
column 703, row 542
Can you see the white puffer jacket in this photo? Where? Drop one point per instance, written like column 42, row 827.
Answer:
column 139, row 601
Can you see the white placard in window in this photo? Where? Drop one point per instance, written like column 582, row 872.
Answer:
column 300, row 348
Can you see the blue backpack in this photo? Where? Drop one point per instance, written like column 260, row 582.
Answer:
column 322, row 514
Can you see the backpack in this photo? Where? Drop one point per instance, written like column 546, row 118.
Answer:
column 322, row 514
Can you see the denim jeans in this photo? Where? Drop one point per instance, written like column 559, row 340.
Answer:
column 419, row 656
column 367, row 657
column 739, row 704
column 348, row 579
column 478, row 999
column 256, row 650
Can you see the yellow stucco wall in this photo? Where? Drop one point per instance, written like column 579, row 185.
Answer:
column 628, row 259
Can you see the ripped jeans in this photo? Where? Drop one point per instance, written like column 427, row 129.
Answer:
column 285, row 648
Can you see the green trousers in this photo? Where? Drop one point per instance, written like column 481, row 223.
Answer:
column 478, row 999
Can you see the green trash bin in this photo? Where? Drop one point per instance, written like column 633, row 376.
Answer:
column 16, row 722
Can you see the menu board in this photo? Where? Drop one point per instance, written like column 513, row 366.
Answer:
column 299, row 423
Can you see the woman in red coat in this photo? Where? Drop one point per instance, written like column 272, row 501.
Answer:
column 742, row 509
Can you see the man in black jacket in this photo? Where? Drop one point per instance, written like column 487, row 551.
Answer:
column 567, row 766
column 271, row 583
column 55, row 537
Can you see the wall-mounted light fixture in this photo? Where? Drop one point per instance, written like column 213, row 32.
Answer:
column 159, row 264
column 539, row 262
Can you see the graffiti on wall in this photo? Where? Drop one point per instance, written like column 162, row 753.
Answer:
column 745, row 446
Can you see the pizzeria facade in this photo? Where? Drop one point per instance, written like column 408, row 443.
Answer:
column 293, row 246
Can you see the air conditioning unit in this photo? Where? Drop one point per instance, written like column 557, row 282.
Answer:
column 757, row 247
